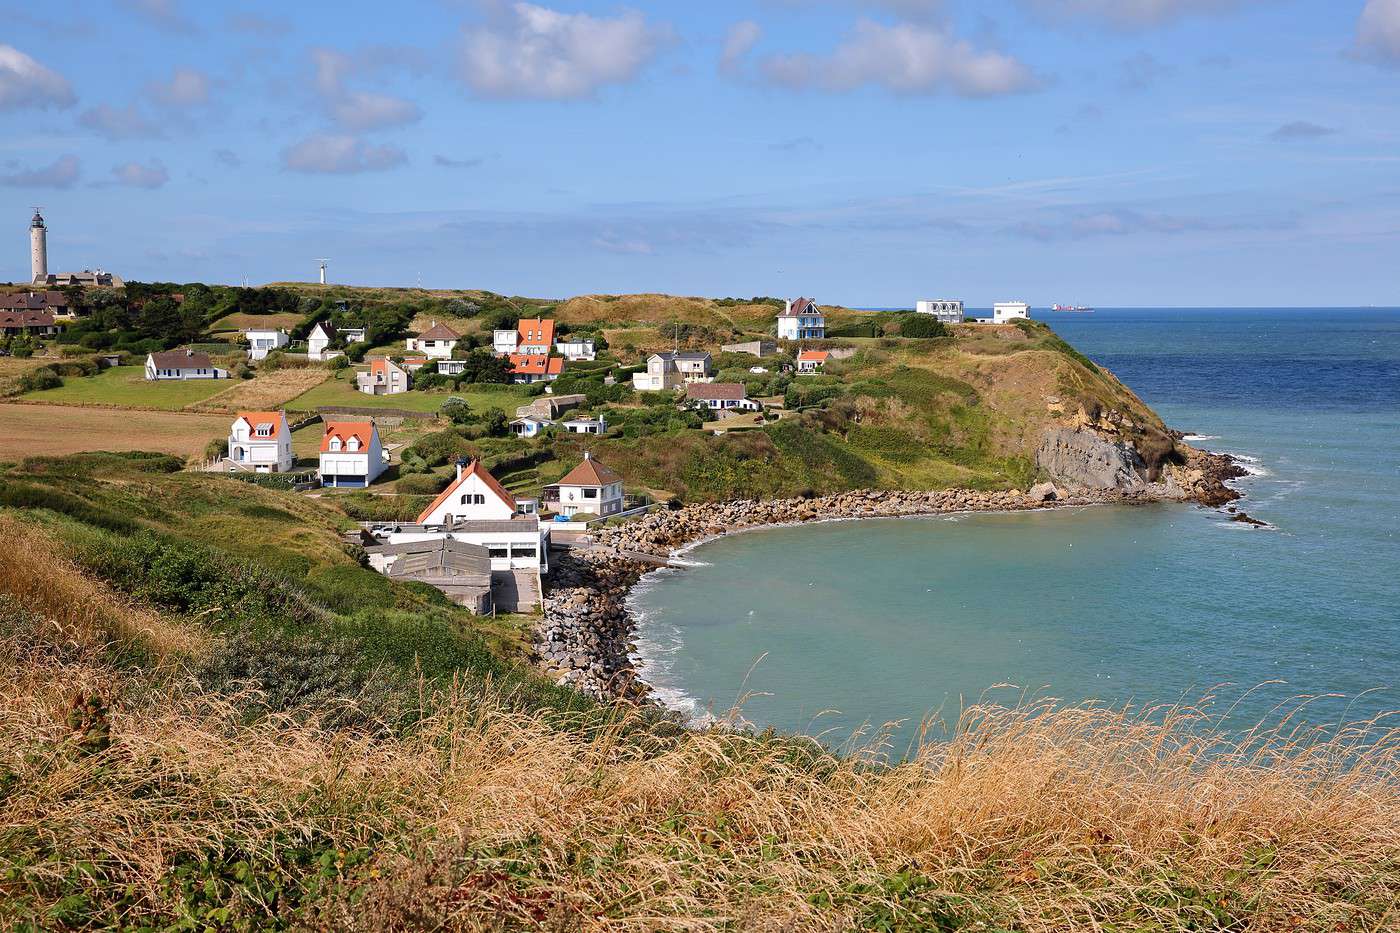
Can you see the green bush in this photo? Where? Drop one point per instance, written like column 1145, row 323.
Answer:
column 922, row 325
column 419, row 484
column 40, row 379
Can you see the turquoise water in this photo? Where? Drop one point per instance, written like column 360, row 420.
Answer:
column 825, row 629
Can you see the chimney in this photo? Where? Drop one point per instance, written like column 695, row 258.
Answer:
column 587, row 455
column 459, row 468
column 189, row 351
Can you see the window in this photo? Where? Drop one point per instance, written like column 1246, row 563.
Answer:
column 497, row 552
column 354, row 444
column 590, row 493
column 335, row 443
column 522, row 550
column 264, row 430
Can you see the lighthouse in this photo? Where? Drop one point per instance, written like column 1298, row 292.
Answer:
column 38, row 249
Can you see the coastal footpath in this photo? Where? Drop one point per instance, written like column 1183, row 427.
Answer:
column 586, row 636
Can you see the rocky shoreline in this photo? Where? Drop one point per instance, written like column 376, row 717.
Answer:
column 586, row 636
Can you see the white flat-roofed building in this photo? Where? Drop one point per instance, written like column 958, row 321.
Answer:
column 576, row 348
column 1004, row 311
column 263, row 342
column 946, row 310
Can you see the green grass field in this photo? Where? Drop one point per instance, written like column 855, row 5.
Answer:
column 341, row 391
column 127, row 387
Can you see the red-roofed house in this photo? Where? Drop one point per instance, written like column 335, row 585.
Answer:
column 351, row 454
column 40, row 323
column 260, row 441
column 476, row 509
column 589, row 488
column 532, row 367
column 531, row 337
column 437, row 341
column 810, row 362
column 385, row 377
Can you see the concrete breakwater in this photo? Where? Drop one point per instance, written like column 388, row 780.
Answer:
column 585, row 638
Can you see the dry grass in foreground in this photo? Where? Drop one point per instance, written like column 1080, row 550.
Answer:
column 173, row 809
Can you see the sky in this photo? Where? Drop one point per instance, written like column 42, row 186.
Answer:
column 862, row 152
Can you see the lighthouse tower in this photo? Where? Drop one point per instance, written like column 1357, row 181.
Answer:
column 38, row 249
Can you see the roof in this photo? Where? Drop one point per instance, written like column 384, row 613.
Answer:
column 683, row 355
column 181, row 359
column 716, row 390
column 813, row 356
column 536, row 364
column 439, row 332
column 364, row 430
column 439, row 557
column 536, row 332
column 472, row 469
column 33, row 301
column 382, row 364
column 590, row 473
column 325, row 327
column 26, row 319
column 800, row 306
column 255, row 418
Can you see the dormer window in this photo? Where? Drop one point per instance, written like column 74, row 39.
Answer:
column 264, row 430
column 353, row 444
column 335, row 444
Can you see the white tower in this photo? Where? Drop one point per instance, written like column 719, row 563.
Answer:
column 323, row 269
column 38, row 249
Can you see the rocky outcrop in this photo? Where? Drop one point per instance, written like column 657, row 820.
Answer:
column 1081, row 459
column 585, row 638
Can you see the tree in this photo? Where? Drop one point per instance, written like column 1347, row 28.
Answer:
column 496, row 422
column 456, row 410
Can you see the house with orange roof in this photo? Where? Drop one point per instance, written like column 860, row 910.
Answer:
column 811, row 362
column 589, row 488
column 531, row 337
column 438, row 342
column 261, row 442
column 385, row 377
column 532, row 367
column 351, row 454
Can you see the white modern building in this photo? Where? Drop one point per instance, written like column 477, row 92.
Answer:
column 576, row 348
column 1004, row 311
column 437, row 342
column 946, row 310
column 263, row 342
column 182, row 364
column 351, row 454
column 589, row 488
column 260, row 441
column 585, row 425
column 801, row 319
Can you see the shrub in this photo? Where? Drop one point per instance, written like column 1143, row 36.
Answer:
column 419, row 484
column 40, row 379
column 922, row 325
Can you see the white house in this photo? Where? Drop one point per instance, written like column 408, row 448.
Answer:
column 585, row 425
column 260, row 441
column 945, row 310
column 318, row 342
column 451, row 367
column 811, row 362
column 182, row 364
column 476, row 509
column 263, row 342
column 351, row 454
column 720, row 396
column 589, row 488
column 575, row 348
column 504, row 342
column 385, row 377
column 672, row 369
column 530, row 425
column 1004, row 311
column 352, row 334
column 801, row 319
column 438, row 342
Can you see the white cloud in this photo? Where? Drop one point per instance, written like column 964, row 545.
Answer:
column 740, row 40
column 186, row 88
column 61, row 173
column 26, row 83
column 136, row 175
column 328, row 154
column 356, row 111
column 1129, row 13
column 533, row 51
column 905, row 58
column 1378, row 32
column 120, row 123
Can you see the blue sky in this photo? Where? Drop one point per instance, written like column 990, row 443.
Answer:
column 869, row 152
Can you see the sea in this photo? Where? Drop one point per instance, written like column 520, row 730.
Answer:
column 880, row 632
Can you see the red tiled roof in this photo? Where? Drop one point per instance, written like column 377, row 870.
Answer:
column 255, row 418
column 473, row 469
column 800, row 306
column 33, row 302
column 590, row 473
column 716, row 390
column 536, row 364
column 364, row 430
column 26, row 319
column 813, row 356
column 536, row 332
column 439, row 332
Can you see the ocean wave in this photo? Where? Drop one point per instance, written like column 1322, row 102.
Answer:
column 1197, row 438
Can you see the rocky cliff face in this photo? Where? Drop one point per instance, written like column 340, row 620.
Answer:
column 1081, row 459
